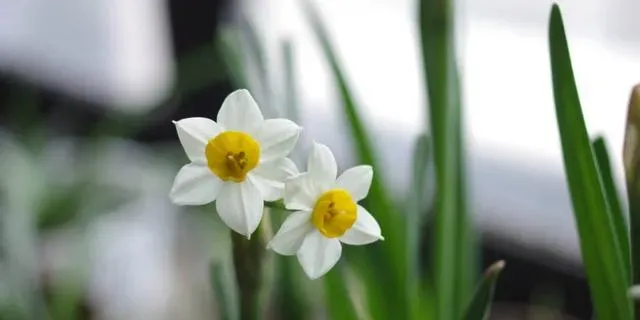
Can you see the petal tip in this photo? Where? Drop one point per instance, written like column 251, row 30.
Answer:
column 315, row 277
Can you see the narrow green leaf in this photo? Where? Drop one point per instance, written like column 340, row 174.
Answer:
column 256, row 65
column 337, row 296
column 290, row 300
column 480, row 305
column 613, row 200
column 414, row 223
column 631, row 156
column 291, row 95
column 600, row 251
column 230, row 49
column 198, row 70
column 388, row 257
column 65, row 301
column 417, row 199
column 219, row 289
column 454, row 251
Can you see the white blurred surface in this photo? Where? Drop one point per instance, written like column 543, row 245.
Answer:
column 112, row 52
column 515, row 166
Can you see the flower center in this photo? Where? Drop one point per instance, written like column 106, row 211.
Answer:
column 231, row 155
column 334, row 213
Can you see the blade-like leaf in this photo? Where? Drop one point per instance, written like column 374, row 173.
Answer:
column 480, row 305
column 340, row 303
column 291, row 96
column 230, row 49
column 290, row 299
column 389, row 257
column 221, row 294
column 415, row 213
column 256, row 65
column 600, row 251
column 631, row 156
column 417, row 199
column 65, row 300
column 613, row 200
column 454, row 253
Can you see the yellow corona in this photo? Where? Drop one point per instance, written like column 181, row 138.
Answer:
column 231, row 155
column 334, row 213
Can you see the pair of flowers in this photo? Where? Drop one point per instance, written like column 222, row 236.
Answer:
column 240, row 161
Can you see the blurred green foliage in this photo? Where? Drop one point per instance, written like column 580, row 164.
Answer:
column 631, row 157
column 602, row 251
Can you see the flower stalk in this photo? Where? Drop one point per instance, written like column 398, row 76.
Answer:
column 248, row 255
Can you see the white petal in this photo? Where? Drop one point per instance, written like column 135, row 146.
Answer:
column 300, row 193
column 318, row 254
column 364, row 231
column 357, row 181
column 634, row 292
column 277, row 138
column 195, row 185
column 240, row 206
column 322, row 166
column 269, row 177
column 240, row 112
column 194, row 134
column 291, row 234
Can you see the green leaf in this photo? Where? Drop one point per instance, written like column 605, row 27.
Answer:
column 290, row 299
column 414, row 223
column 256, row 65
column 336, row 289
column 416, row 204
column 631, row 156
column 291, row 95
column 291, row 302
column 230, row 48
column 600, row 252
column 480, row 305
column 199, row 69
column 221, row 294
column 454, row 251
column 65, row 300
column 613, row 200
column 388, row 257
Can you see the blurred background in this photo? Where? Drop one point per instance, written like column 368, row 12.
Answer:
column 88, row 152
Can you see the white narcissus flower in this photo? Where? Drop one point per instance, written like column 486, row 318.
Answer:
column 327, row 213
column 239, row 161
column 634, row 292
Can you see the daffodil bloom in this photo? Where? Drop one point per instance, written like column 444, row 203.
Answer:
column 327, row 213
column 634, row 292
column 239, row 162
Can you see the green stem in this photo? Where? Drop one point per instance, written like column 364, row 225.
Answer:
column 276, row 205
column 247, row 260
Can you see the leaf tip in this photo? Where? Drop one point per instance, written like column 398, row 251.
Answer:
column 556, row 16
column 495, row 269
